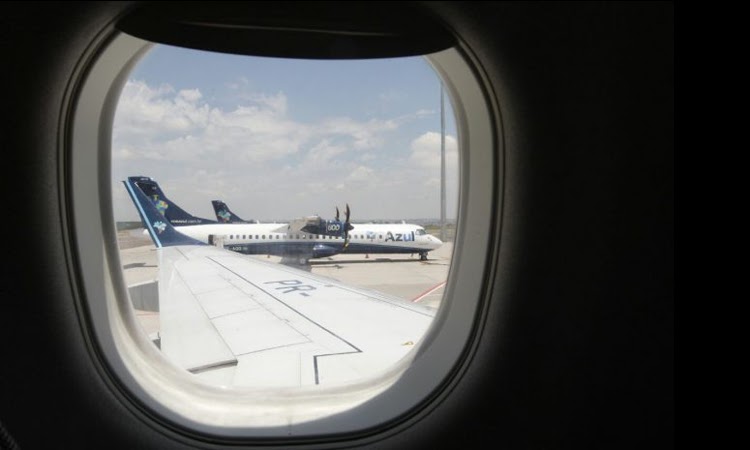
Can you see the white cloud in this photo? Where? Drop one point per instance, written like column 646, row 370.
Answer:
column 426, row 149
column 189, row 95
column 265, row 164
column 324, row 153
column 142, row 108
column 424, row 112
column 276, row 103
column 360, row 175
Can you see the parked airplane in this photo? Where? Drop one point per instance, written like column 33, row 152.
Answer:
column 299, row 240
column 563, row 266
column 369, row 238
column 316, row 330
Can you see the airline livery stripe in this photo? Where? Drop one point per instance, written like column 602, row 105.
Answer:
column 143, row 215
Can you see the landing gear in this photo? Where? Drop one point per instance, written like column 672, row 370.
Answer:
column 423, row 256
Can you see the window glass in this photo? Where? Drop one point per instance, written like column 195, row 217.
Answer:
column 281, row 139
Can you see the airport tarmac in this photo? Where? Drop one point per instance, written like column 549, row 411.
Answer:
column 402, row 276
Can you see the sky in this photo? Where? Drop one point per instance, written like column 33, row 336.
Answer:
column 278, row 139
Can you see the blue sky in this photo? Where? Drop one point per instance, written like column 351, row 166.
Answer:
column 280, row 138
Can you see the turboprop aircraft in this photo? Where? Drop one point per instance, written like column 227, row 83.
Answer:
column 297, row 241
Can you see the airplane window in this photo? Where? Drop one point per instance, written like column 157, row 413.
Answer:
column 338, row 132
column 290, row 138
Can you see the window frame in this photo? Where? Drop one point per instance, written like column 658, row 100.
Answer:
column 173, row 396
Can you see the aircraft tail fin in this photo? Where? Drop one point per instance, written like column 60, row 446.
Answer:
column 161, row 231
column 173, row 213
column 225, row 215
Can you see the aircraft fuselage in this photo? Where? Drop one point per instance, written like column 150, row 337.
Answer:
column 271, row 239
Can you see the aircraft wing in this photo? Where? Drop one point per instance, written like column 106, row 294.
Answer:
column 297, row 225
column 319, row 226
column 242, row 321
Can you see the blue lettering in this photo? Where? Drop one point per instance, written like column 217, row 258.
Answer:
column 398, row 237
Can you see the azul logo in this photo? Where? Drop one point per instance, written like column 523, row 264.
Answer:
column 159, row 226
column 160, row 205
column 399, row 237
column 224, row 215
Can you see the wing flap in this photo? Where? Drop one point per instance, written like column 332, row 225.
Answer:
column 186, row 332
column 257, row 330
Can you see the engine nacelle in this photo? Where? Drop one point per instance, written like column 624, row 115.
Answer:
column 323, row 251
column 335, row 228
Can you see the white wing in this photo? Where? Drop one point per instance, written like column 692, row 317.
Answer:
column 241, row 321
column 296, row 225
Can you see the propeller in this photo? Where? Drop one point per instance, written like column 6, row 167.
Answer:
column 332, row 227
column 347, row 226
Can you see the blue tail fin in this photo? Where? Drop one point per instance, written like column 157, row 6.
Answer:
column 160, row 230
column 225, row 215
column 173, row 213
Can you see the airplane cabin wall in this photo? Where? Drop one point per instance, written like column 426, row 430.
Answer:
column 577, row 345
